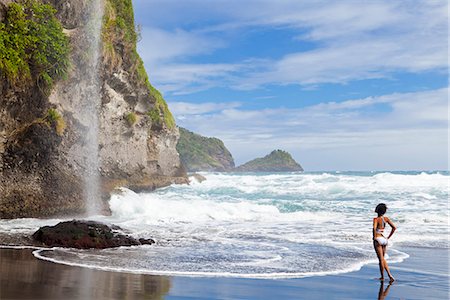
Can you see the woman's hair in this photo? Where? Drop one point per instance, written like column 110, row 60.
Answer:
column 381, row 209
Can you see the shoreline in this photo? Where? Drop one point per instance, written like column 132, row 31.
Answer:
column 424, row 275
column 35, row 252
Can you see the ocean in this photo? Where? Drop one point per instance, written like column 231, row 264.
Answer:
column 265, row 225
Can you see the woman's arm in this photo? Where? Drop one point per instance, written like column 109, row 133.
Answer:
column 392, row 226
column 375, row 225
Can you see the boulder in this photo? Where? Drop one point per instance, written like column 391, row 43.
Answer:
column 85, row 235
column 198, row 177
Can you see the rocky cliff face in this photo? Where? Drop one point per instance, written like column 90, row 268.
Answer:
column 43, row 149
column 199, row 153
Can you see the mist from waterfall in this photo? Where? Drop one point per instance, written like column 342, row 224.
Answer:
column 90, row 109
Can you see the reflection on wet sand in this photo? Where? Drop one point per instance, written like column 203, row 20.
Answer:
column 24, row 276
column 382, row 293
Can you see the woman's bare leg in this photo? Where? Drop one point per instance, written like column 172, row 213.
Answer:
column 379, row 252
column 386, row 267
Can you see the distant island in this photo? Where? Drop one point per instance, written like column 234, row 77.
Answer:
column 199, row 153
column 276, row 161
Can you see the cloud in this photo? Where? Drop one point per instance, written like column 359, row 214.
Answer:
column 180, row 79
column 160, row 46
column 354, row 41
column 375, row 58
column 186, row 108
column 407, row 124
column 164, row 53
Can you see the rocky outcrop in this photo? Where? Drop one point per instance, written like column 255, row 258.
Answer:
column 199, row 153
column 85, row 235
column 197, row 177
column 43, row 149
column 276, row 161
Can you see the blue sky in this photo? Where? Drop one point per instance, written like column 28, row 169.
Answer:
column 342, row 85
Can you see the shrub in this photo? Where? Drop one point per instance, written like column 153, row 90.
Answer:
column 131, row 118
column 155, row 116
column 33, row 45
column 54, row 118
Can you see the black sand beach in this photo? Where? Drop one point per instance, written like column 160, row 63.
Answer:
column 422, row 276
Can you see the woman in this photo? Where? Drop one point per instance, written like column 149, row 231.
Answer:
column 379, row 240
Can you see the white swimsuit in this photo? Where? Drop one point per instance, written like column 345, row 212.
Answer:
column 381, row 239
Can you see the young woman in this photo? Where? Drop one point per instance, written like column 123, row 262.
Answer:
column 380, row 242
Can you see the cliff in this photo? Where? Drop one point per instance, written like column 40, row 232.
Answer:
column 199, row 153
column 276, row 161
column 48, row 86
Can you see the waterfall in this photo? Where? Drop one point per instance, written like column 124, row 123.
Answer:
column 91, row 107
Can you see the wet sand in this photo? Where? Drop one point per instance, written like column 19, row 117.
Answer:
column 422, row 276
column 25, row 277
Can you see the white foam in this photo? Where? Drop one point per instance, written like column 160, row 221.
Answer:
column 25, row 225
column 275, row 275
column 425, row 196
column 169, row 208
column 22, row 247
column 323, row 182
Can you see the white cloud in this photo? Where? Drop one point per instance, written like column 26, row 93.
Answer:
column 164, row 51
column 412, row 122
column 365, row 59
column 355, row 40
column 186, row 108
column 182, row 79
column 158, row 46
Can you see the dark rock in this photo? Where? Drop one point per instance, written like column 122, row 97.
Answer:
column 85, row 235
column 146, row 241
column 32, row 146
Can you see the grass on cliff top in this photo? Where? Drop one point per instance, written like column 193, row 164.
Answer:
column 119, row 48
column 32, row 45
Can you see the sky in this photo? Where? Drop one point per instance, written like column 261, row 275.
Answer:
column 341, row 85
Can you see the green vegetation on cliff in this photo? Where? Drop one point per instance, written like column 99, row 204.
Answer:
column 131, row 118
column 119, row 43
column 276, row 161
column 55, row 119
column 199, row 153
column 32, row 45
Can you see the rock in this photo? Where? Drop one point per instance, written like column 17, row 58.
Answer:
column 84, row 235
column 32, row 146
column 198, row 177
column 146, row 241
column 276, row 161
